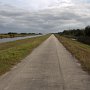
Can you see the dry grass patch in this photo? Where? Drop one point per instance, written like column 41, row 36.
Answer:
column 79, row 50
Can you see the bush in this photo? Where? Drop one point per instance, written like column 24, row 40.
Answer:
column 87, row 31
column 85, row 40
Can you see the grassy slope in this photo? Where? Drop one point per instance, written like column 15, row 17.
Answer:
column 13, row 52
column 79, row 50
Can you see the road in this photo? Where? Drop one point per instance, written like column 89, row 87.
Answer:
column 49, row 67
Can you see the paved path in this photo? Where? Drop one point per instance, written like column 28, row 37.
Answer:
column 49, row 67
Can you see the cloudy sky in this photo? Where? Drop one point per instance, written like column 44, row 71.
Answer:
column 43, row 15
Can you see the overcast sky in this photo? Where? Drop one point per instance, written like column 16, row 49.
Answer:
column 43, row 15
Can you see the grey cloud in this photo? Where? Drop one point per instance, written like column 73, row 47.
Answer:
column 50, row 20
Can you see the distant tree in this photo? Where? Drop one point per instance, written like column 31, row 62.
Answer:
column 12, row 34
column 40, row 33
column 79, row 32
column 65, row 32
column 82, row 35
column 32, row 33
column 87, row 31
column 23, row 33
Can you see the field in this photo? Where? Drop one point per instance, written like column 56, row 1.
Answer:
column 12, row 53
column 79, row 50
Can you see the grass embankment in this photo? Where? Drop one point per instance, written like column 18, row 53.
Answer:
column 13, row 52
column 79, row 50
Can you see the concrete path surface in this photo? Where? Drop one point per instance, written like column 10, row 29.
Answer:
column 48, row 67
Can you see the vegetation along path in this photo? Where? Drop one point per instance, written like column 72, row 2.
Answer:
column 49, row 67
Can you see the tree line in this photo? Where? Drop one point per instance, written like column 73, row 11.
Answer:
column 82, row 35
column 14, row 34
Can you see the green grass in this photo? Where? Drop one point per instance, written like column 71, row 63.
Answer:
column 12, row 53
column 79, row 50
